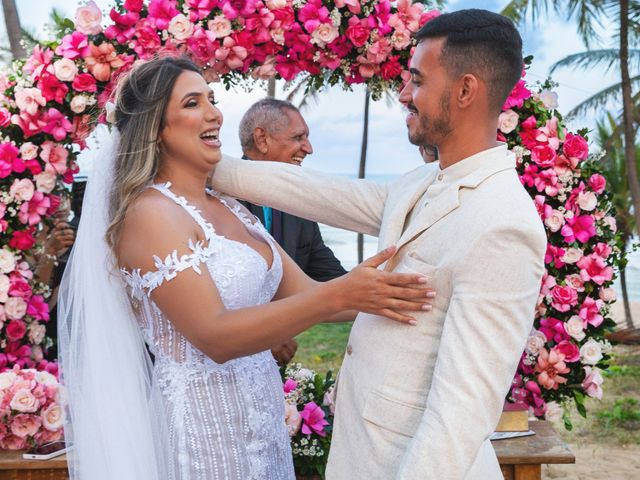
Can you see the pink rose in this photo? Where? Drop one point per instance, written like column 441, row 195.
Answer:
column 88, row 19
column 508, row 121
column 28, row 151
column 401, row 39
column 22, row 240
column 587, row 201
column 65, row 69
column 16, row 328
column 569, row 349
column 180, row 27
column 289, row 385
column 5, row 117
column 24, row 401
column 357, row 33
column 543, row 155
column 564, row 298
column 597, row 183
column 22, row 189
column 391, row 69
column 611, row 223
column 15, row 308
column 592, row 383
column 554, row 220
column 607, row 295
column 575, row 146
column 29, row 100
column 575, row 281
column 13, row 442
column 275, row 4
column 45, row 181
column 220, row 27
column 25, row 425
column 324, row 34
column 78, row 104
column 594, row 268
column 85, row 82
column 292, row 419
column 53, row 417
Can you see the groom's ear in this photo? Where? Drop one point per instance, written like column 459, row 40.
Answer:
column 468, row 90
column 260, row 140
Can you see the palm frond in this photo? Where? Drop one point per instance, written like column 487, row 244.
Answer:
column 516, row 10
column 603, row 97
column 594, row 58
column 588, row 14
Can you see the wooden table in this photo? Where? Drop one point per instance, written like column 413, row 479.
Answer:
column 14, row 467
column 522, row 458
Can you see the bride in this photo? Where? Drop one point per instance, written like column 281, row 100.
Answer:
column 162, row 261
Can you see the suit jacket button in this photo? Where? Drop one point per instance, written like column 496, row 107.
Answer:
column 349, row 349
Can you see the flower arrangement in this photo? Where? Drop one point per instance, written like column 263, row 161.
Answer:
column 567, row 347
column 309, row 409
column 30, row 411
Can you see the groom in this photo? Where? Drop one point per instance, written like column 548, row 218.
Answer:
column 419, row 403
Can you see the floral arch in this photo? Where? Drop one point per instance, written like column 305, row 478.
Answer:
column 51, row 100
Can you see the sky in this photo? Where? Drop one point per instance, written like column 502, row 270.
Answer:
column 335, row 120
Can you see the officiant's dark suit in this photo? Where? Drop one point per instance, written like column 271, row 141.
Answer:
column 274, row 130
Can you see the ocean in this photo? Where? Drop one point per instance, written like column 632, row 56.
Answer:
column 345, row 246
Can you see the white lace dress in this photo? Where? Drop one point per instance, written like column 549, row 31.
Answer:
column 224, row 421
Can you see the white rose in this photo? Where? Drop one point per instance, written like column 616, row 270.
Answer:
column 7, row 261
column 65, row 69
column 36, row 353
column 572, row 255
column 575, row 328
column 7, row 379
column 36, row 333
column 15, row 308
column 88, row 19
column 591, row 352
column 535, row 342
column 78, row 104
column 555, row 221
column 277, row 35
column 219, row 26
column 553, row 412
column 611, row 223
column 24, row 401
column 53, row 417
column 45, row 378
column 324, row 34
column 587, row 201
column 549, row 99
column 276, row 4
column 507, row 121
column 45, row 181
column 22, row 190
column 607, row 294
column 28, row 151
column 180, row 27
column 4, row 288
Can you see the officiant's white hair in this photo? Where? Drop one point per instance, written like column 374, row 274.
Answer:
column 269, row 114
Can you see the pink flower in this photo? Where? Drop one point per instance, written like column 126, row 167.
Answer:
column 13, row 442
column 553, row 329
column 391, row 69
column 200, row 46
column 549, row 367
column 16, row 329
column 313, row 420
column 102, row 59
column 24, row 425
column 292, row 419
column 547, row 181
column 9, row 161
column 597, row 183
column 88, row 19
column 30, row 212
column 24, row 401
column 569, row 349
column 408, row 16
column 312, row 14
column 38, row 62
column 22, row 240
column 5, row 117
column 592, row 383
column 180, row 27
column 594, row 268
column 199, row 9
column 22, row 189
column 65, row 70
column 38, row 308
column 543, row 155
column 607, row 295
column 575, row 146
column 580, row 228
column 57, row 125
column 357, row 32
column 53, row 417
column 554, row 255
column 52, row 88
column 549, row 134
column 73, row 46
column 289, row 385
column 517, row 96
column 123, row 29
column 231, row 53
column 564, row 298
column 590, row 311
column 29, row 100
column 602, row 249
column 55, row 155
column 352, row 5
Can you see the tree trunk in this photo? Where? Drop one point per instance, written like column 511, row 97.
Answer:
column 363, row 162
column 627, row 113
column 625, row 297
column 14, row 32
column 271, row 87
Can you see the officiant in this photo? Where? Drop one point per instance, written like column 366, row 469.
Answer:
column 274, row 130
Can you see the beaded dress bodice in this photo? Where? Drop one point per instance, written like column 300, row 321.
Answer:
column 224, row 421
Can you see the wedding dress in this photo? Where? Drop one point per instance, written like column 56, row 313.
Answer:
column 223, row 421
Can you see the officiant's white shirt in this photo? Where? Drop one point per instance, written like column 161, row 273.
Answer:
column 420, row 402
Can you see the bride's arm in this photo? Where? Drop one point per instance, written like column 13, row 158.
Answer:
column 191, row 301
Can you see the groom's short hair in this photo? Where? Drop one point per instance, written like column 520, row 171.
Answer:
column 480, row 42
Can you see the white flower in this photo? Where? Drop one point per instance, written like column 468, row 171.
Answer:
column 36, row 333
column 65, row 69
column 555, row 221
column 219, row 26
column 591, row 352
column 45, row 181
column 7, row 261
column 277, row 35
column 535, row 342
column 78, row 104
column 4, row 288
column 325, row 33
column 28, row 151
column 607, row 294
column 507, row 121
column 549, row 99
column 275, row 4
column 6, row 379
column 606, row 346
column 45, row 378
column 180, row 27
column 554, row 412
column 575, row 328
column 88, row 19
column 22, row 189
column 572, row 255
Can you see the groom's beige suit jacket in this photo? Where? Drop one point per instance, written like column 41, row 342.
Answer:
column 420, row 402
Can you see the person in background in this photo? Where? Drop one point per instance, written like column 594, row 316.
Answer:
column 274, row 130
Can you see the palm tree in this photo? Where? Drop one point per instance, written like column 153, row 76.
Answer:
column 589, row 13
column 617, row 181
column 14, row 32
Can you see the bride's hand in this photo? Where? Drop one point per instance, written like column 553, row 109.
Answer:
column 389, row 294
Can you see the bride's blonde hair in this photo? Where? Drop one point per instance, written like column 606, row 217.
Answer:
column 141, row 102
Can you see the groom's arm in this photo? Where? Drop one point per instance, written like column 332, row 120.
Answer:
column 355, row 205
column 488, row 321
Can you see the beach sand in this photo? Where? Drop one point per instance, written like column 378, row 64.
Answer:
column 598, row 462
column 617, row 311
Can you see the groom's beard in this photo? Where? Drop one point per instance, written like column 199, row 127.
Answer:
column 431, row 130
